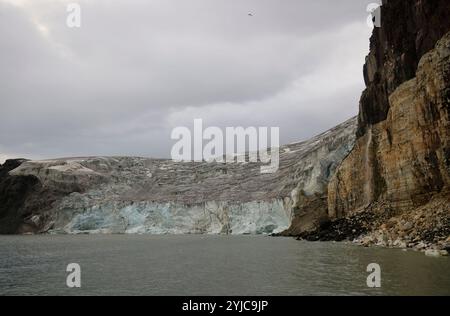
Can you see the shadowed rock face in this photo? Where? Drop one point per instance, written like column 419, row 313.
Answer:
column 14, row 192
column 139, row 195
column 25, row 203
column 409, row 29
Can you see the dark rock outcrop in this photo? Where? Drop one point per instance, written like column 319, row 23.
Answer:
column 409, row 29
column 14, row 192
column 24, row 201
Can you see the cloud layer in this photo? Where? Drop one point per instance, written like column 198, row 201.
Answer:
column 138, row 68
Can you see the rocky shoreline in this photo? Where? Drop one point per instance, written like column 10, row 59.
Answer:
column 426, row 229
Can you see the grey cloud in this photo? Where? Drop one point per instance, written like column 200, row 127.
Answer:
column 137, row 68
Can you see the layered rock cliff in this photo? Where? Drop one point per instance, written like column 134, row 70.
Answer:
column 393, row 188
column 139, row 195
column 409, row 29
column 404, row 159
column 402, row 164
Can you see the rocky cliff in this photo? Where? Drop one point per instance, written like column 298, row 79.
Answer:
column 139, row 195
column 402, row 164
column 404, row 159
column 13, row 195
column 393, row 188
column 409, row 29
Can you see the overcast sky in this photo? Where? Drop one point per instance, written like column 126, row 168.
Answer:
column 138, row 68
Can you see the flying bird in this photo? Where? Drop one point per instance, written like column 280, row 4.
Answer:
column 250, row 14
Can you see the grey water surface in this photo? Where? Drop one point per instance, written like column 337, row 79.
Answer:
column 211, row 265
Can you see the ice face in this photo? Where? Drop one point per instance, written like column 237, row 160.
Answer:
column 170, row 218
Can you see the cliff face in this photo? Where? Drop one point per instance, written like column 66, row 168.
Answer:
column 405, row 159
column 139, row 195
column 400, row 160
column 409, row 29
column 25, row 203
column 393, row 189
column 13, row 195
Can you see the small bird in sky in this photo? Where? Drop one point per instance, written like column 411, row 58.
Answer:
column 250, row 14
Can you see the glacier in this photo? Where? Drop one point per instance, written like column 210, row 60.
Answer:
column 171, row 218
column 134, row 195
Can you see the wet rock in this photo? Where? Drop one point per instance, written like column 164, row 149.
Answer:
column 433, row 253
column 399, row 243
column 421, row 246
